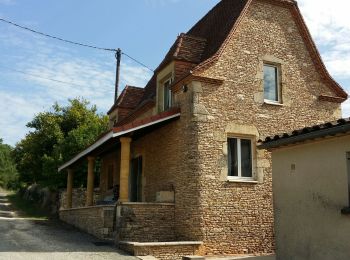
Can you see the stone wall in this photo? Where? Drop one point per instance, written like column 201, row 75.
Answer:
column 238, row 217
column 97, row 221
column 189, row 155
column 78, row 198
column 169, row 156
column 145, row 222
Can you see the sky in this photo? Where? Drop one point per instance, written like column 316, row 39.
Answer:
column 144, row 29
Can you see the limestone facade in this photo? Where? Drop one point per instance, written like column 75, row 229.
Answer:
column 189, row 156
column 238, row 217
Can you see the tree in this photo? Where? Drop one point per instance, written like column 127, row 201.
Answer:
column 8, row 172
column 57, row 136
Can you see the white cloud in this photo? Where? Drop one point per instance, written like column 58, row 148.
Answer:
column 22, row 96
column 15, row 111
column 329, row 23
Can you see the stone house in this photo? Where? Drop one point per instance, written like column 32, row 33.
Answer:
column 180, row 155
column 311, row 177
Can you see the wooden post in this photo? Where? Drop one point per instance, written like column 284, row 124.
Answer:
column 124, row 169
column 69, row 188
column 90, row 182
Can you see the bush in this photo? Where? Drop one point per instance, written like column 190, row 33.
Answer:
column 9, row 178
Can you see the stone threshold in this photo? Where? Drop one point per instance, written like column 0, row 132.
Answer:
column 90, row 207
column 122, row 204
column 146, row 203
column 175, row 243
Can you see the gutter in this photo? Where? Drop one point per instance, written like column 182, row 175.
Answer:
column 111, row 135
column 342, row 129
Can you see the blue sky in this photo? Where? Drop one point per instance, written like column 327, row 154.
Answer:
column 144, row 29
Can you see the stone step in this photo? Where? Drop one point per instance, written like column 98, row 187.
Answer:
column 147, row 257
column 193, row 257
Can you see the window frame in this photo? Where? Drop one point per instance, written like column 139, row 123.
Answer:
column 239, row 158
column 170, row 98
column 278, row 83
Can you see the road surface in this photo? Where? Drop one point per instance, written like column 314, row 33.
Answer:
column 23, row 238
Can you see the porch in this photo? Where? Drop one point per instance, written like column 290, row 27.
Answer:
column 134, row 201
column 120, row 164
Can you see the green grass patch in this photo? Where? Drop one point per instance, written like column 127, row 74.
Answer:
column 27, row 208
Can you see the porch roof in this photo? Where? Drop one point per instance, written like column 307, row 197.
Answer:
column 134, row 127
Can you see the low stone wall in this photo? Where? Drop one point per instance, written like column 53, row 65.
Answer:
column 78, row 198
column 163, row 251
column 145, row 222
column 97, row 220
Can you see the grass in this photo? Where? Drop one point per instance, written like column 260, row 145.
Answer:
column 27, row 208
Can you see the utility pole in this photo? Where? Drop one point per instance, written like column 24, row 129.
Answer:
column 118, row 56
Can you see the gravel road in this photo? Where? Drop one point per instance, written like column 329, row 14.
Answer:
column 22, row 238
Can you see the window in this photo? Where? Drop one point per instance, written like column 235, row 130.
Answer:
column 167, row 98
column 240, row 159
column 272, row 89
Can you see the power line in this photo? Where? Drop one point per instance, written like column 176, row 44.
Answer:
column 138, row 62
column 72, row 42
column 41, row 77
column 55, row 37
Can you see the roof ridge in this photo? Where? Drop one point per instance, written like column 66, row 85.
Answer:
column 194, row 37
column 218, row 53
column 179, row 41
column 129, row 86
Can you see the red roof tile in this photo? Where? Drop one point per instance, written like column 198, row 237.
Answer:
column 204, row 42
column 216, row 25
column 130, row 98
column 148, row 120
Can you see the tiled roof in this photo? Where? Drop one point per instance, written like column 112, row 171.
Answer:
column 186, row 48
column 125, row 130
column 205, row 38
column 308, row 133
column 201, row 41
column 204, row 42
column 148, row 120
column 129, row 98
column 216, row 25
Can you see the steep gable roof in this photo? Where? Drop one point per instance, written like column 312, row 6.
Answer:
column 204, row 43
column 217, row 24
column 129, row 98
column 186, row 48
column 243, row 6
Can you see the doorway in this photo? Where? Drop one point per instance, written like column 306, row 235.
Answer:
column 136, row 180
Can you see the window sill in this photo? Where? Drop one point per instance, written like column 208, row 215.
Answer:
column 237, row 180
column 273, row 103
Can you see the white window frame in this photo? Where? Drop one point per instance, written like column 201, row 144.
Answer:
column 239, row 158
column 170, row 94
column 279, row 85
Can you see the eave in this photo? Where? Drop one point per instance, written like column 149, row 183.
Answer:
column 124, row 130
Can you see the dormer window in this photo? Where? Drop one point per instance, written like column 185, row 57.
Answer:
column 167, row 98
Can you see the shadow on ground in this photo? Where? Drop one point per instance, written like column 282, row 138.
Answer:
column 21, row 235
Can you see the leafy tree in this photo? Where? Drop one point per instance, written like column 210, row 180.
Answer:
column 8, row 172
column 57, row 136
